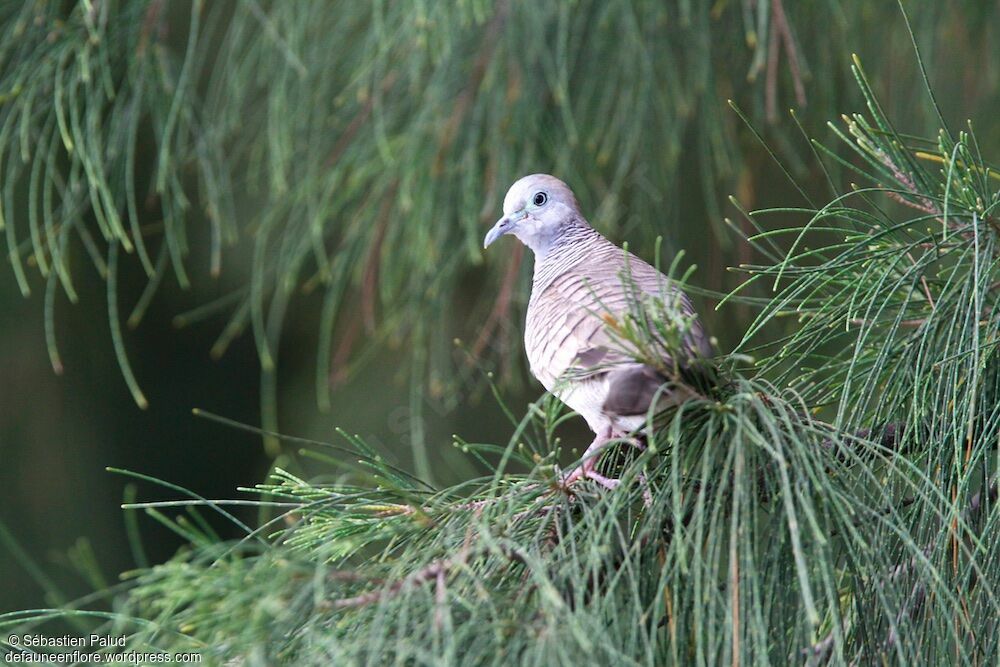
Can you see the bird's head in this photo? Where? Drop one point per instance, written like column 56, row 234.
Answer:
column 535, row 209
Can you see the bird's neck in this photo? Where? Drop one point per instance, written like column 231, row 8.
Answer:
column 566, row 249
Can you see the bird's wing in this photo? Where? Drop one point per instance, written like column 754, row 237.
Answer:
column 586, row 300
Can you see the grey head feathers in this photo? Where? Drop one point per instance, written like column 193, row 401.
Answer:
column 539, row 209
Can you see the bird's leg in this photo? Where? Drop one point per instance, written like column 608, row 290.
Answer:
column 606, row 482
column 586, row 467
column 637, row 439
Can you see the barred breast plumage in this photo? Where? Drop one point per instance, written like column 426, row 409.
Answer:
column 580, row 286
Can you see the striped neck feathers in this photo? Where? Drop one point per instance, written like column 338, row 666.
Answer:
column 574, row 242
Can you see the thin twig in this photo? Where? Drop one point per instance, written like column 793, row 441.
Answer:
column 771, row 80
column 781, row 34
column 794, row 67
column 338, row 366
column 360, row 118
column 857, row 321
column 429, row 573
column 440, row 601
column 909, row 202
column 435, row 571
column 369, row 284
column 490, row 39
column 153, row 18
column 369, row 281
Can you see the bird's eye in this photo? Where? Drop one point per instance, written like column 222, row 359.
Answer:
column 540, row 198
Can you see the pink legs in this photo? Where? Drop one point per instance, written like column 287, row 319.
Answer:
column 586, row 467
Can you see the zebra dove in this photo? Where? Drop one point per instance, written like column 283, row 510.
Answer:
column 581, row 283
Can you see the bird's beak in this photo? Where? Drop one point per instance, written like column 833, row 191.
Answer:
column 503, row 226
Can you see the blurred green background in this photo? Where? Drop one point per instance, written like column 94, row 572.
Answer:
column 58, row 434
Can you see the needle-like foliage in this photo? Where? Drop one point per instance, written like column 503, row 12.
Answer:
column 834, row 502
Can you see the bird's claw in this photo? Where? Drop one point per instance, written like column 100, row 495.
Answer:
column 586, row 471
column 606, row 482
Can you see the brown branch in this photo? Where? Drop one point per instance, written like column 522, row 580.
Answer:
column 368, row 294
column 153, row 18
column 435, row 571
column 440, row 600
column 781, row 34
column 369, row 281
column 490, row 39
column 771, row 80
column 924, row 208
column 429, row 573
column 794, row 67
column 338, row 366
column 360, row 118
column 927, row 288
column 857, row 321
column 922, row 204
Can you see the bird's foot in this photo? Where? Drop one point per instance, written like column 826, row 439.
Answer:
column 586, row 471
column 577, row 474
column 606, row 482
column 638, row 443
